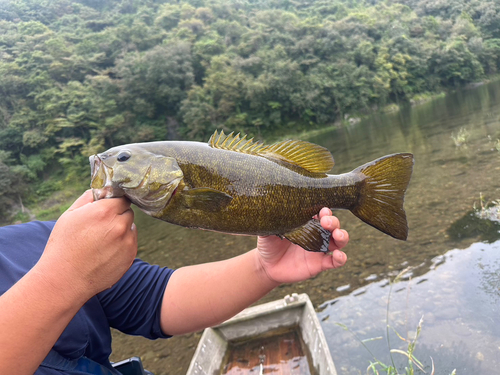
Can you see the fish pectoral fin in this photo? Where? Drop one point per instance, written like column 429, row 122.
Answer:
column 311, row 236
column 205, row 199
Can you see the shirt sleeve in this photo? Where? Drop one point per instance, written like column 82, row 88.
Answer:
column 133, row 305
column 20, row 248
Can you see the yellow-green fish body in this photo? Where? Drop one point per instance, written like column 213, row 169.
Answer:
column 234, row 185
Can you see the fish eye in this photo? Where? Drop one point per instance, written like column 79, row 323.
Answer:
column 123, row 156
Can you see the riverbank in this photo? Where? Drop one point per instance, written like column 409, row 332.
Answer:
column 49, row 208
column 355, row 118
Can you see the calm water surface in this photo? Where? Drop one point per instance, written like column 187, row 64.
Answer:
column 455, row 282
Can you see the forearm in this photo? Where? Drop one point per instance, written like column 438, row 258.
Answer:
column 33, row 314
column 204, row 295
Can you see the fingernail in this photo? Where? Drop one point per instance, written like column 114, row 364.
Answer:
column 340, row 235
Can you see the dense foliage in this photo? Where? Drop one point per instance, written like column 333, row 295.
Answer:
column 78, row 76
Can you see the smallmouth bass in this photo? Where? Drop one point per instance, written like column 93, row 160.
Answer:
column 239, row 186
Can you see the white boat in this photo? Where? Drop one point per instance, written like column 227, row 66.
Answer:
column 280, row 337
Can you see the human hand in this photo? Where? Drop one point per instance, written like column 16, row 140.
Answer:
column 284, row 262
column 92, row 245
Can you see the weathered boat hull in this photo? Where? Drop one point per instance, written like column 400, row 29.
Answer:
column 292, row 312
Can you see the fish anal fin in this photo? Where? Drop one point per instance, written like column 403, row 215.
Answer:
column 311, row 236
column 205, row 199
column 309, row 156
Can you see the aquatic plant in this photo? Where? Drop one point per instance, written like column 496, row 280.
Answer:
column 496, row 144
column 461, row 138
column 487, row 210
column 377, row 367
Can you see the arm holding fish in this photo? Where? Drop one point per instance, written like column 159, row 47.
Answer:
column 219, row 290
column 89, row 249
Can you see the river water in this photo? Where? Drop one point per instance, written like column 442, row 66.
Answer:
column 455, row 257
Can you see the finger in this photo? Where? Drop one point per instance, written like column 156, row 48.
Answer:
column 133, row 229
column 118, row 205
column 325, row 211
column 131, row 235
column 329, row 222
column 84, row 199
column 339, row 258
column 129, row 217
column 340, row 239
column 335, row 260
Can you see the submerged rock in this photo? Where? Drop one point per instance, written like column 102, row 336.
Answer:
column 483, row 224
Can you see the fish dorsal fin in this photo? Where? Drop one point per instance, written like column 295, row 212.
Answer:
column 309, row 156
column 236, row 143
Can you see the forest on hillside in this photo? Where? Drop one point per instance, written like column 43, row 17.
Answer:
column 79, row 76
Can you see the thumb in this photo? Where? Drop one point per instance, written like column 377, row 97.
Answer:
column 84, row 199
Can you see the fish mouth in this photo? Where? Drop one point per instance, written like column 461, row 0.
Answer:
column 101, row 177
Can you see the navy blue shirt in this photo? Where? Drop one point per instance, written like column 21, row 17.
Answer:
column 132, row 305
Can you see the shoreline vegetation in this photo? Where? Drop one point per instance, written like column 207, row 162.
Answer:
column 80, row 76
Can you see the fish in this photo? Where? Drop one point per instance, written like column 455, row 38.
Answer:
column 237, row 185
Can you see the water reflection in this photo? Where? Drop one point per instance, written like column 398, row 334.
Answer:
column 458, row 300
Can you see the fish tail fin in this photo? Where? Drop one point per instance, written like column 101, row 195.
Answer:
column 382, row 194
